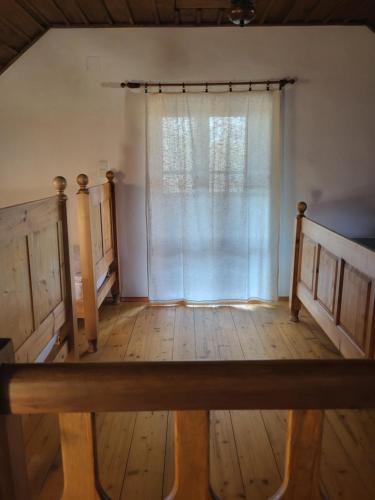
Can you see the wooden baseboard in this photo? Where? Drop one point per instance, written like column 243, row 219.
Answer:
column 134, row 299
column 282, row 298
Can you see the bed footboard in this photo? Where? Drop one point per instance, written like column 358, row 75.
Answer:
column 97, row 230
column 334, row 278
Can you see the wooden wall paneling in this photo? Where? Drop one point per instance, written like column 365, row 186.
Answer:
column 355, row 306
column 46, row 280
column 16, row 310
column 326, row 279
column 342, row 300
column 308, row 261
column 13, row 476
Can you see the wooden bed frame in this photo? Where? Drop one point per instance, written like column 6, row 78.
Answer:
column 97, row 231
column 334, row 278
column 36, row 310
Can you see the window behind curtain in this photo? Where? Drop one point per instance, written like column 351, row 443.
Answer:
column 213, row 204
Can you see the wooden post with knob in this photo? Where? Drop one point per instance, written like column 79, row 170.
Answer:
column 79, row 457
column 294, row 302
column 13, row 469
column 302, row 456
column 69, row 329
column 115, row 290
column 192, row 450
column 87, row 263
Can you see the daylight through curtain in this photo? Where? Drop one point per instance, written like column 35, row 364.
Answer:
column 213, row 195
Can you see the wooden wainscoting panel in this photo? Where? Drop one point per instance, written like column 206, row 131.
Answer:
column 15, row 292
column 46, row 277
column 326, row 279
column 308, row 257
column 107, row 223
column 96, row 234
column 355, row 304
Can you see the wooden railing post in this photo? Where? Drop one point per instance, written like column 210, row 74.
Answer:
column 294, row 302
column 69, row 328
column 115, row 290
column 79, row 458
column 13, row 470
column 87, row 263
column 302, row 460
column 192, row 447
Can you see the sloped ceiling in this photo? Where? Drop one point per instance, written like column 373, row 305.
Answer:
column 22, row 22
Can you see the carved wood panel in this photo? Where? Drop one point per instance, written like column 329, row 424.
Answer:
column 308, row 255
column 326, row 279
column 355, row 304
column 16, row 311
column 32, row 288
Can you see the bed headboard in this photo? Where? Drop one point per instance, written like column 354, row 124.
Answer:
column 36, row 307
column 334, row 278
column 96, row 209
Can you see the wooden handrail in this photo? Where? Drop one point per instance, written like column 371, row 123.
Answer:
column 184, row 385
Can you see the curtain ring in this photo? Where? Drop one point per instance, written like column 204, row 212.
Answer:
column 250, row 89
column 183, row 88
column 146, row 88
column 159, row 88
column 206, row 87
column 230, row 86
column 268, row 85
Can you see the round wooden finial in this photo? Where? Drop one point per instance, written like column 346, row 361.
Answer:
column 301, row 207
column 110, row 175
column 59, row 183
column 83, row 182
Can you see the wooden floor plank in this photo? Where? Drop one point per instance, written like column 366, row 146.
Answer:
column 247, row 448
column 145, row 468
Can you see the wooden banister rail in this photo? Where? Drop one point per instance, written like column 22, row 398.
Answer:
column 187, row 385
column 191, row 389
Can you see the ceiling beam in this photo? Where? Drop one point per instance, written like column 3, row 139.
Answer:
column 337, row 5
column 312, row 11
column 61, row 12
column 129, row 12
column 107, row 12
column 263, row 17
column 290, row 10
column 156, row 11
column 11, row 49
column 198, row 16
column 15, row 29
column 82, row 13
column 220, row 15
column 34, row 13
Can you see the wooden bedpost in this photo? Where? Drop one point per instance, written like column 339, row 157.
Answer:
column 294, row 302
column 87, row 263
column 69, row 329
column 115, row 290
column 302, row 456
column 13, row 476
column 192, row 452
column 79, row 457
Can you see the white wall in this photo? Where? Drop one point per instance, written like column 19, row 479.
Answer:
column 61, row 112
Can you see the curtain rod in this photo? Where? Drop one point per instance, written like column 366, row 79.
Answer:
column 280, row 83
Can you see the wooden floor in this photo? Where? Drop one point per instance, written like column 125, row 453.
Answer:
column 247, row 447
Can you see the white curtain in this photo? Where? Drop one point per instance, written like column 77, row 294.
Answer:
column 213, row 195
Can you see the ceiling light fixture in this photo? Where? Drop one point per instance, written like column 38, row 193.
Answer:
column 241, row 12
